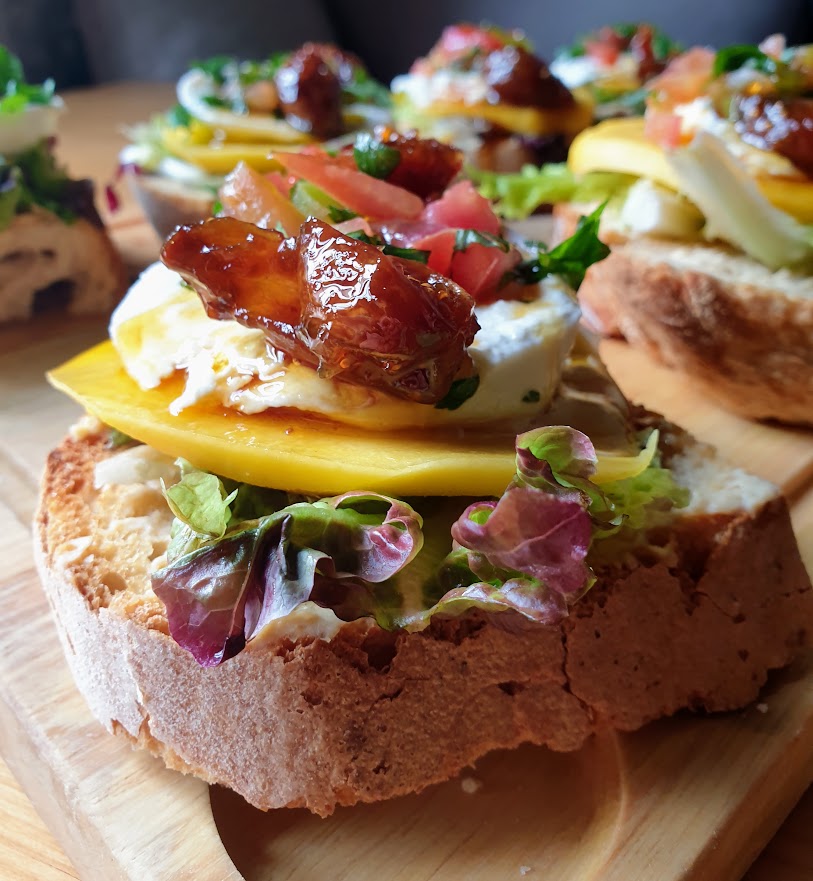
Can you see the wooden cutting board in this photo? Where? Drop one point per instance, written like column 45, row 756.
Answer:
column 683, row 800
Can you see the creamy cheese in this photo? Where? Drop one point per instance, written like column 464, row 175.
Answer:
column 161, row 327
column 584, row 70
column 463, row 86
column 35, row 123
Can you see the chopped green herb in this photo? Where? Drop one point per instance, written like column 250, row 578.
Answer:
column 531, row 397
column 337, row 214
column 461, row 390
column 254, row 71
column 407, row 253
column 735, row 57
column 216, row 101
column 390, row 250
column 374, row 158
column 217, row 208
column 33, row 178
column 363, row 89
column 15, row 93
column 465, row 237
column 179, row 116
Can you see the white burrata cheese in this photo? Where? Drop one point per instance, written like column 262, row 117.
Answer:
column 161, row 327
column 583, row 70
column 27, row 127
column 460, row 86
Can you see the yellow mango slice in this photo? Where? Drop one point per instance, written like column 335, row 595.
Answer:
column 288, row 450
column 619, row 145
column 532, row 121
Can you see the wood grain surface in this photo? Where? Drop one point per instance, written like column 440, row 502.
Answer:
column 684, row 799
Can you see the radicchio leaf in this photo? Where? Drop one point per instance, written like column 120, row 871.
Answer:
column 532, row 532
column 221, row 595
column 527, row 597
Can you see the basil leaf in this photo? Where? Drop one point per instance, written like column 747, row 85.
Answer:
column 465, row 237
column 390, row 250
column 374, row 158
column 460, row 391
column 571, row 258
column 735, row 57
column 337, row 214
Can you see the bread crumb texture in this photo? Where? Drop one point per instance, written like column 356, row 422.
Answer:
column 371, row 714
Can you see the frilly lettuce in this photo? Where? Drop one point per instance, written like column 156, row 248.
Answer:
column 242, row 557
column 519, row 194
column 222, row 593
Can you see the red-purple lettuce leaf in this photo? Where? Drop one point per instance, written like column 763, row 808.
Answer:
column 542, row 536
column 221, row 595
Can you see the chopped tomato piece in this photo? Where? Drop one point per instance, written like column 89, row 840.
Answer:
column 459, row 39
column 603, row 51
column 440, row 245
column 462, row 207
column 352, row 188
column 663, row 128
column 685, row 78
column 481, row 270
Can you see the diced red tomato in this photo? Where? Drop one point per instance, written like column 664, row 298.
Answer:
column 284, row 183
column 440, row 245
column 462, row 207
column 352, row 188
column 480, row 270
column 663, row 128
column 602, row 52
column 458, row 39
column 685, row 78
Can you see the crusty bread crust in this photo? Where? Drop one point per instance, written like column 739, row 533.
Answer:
column 38, row 251
column 371, row 715
column 167, row 203
column 748, row 344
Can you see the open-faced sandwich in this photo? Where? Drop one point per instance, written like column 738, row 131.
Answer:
column 339, row 526
column 709, row 214
column 232, row 111
column 483, row 90
column 54, row 252
column 614, row 65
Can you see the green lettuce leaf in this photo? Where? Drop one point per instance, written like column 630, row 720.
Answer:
column 519, row 194
column 15, row 93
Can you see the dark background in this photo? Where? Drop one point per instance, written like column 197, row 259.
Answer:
column 84, row 41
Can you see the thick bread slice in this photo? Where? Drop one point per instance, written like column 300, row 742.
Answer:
column 169, row 204
column 48, row 264
column 368, row 715
column 742, row 331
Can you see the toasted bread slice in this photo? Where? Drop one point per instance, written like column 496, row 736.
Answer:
column 303, row 719
column 48, row 265
column 169, row 204
column 741, row 330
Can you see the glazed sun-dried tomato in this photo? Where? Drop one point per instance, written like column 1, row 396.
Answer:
column 426, row 166
column 784, row 125
column 334, row 303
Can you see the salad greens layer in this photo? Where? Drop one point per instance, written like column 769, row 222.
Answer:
column 31, row 178
column 242, row 557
